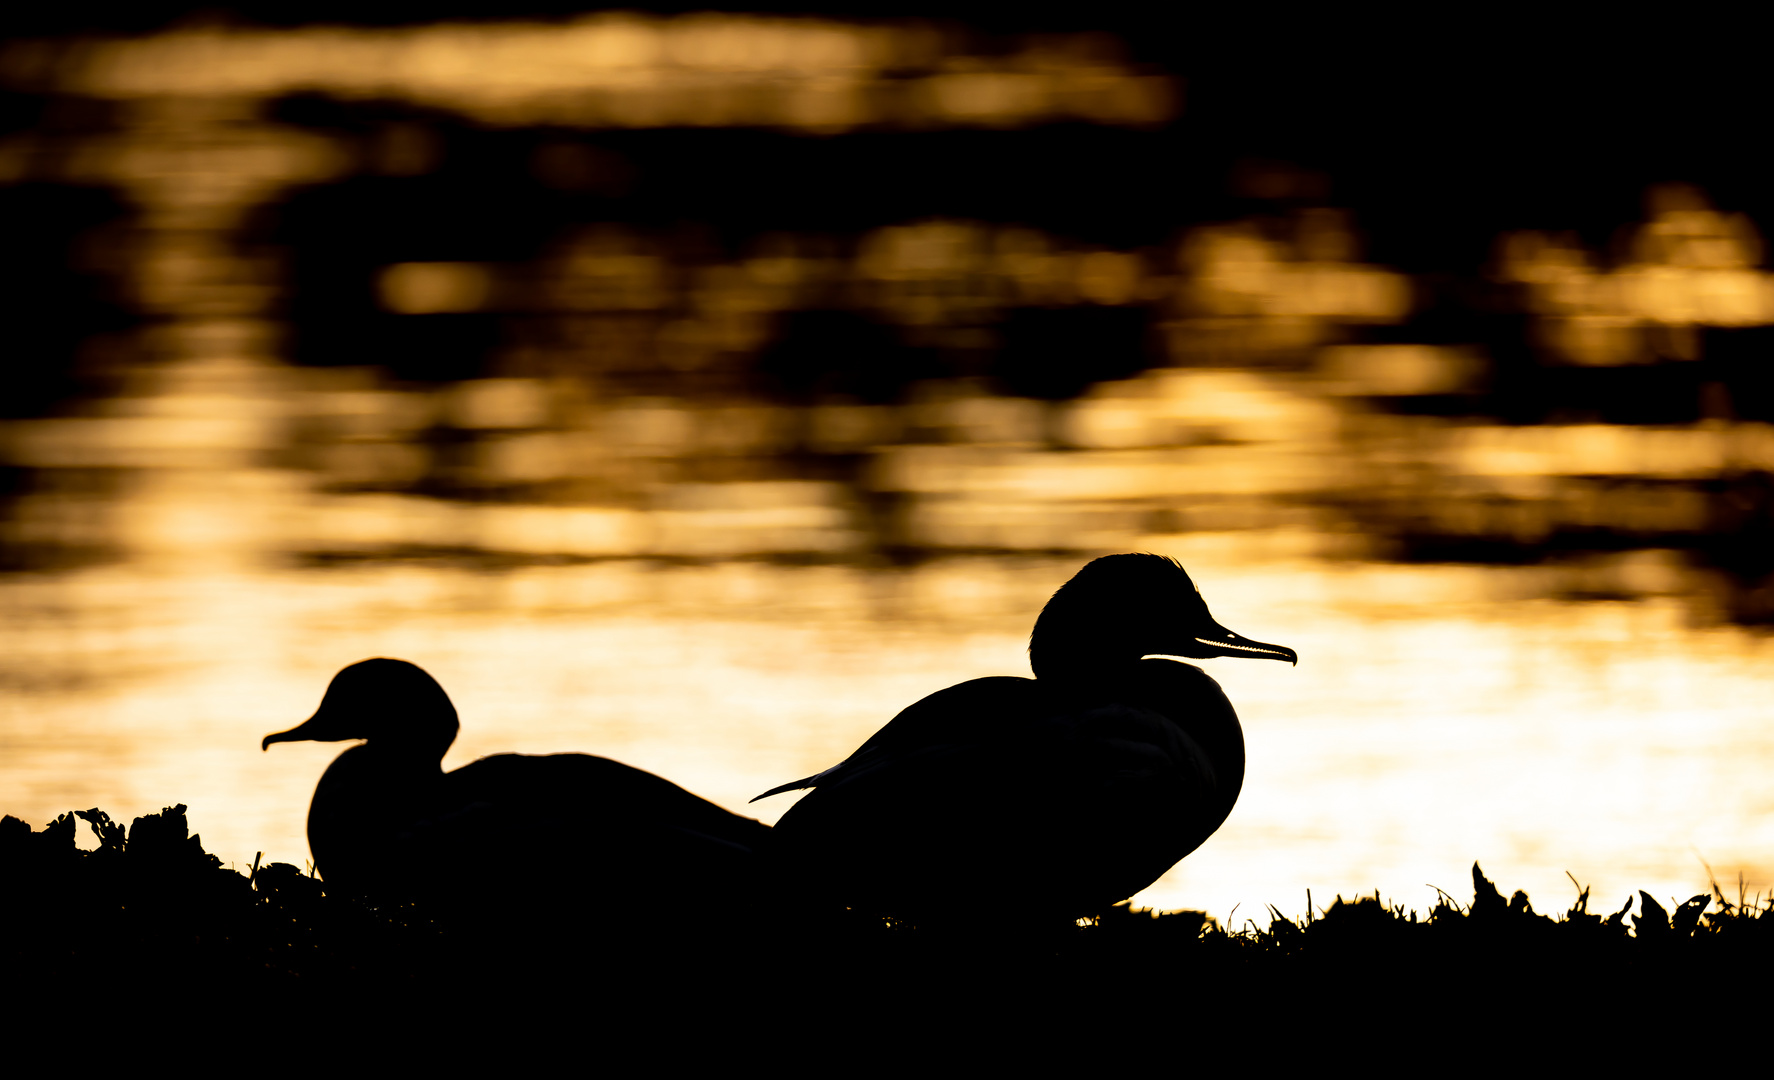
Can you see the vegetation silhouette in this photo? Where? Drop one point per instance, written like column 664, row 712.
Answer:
column 511, row 844
column 150, row 926
column 150, row 900
column 1080, row 786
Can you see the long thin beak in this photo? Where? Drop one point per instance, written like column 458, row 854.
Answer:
column 1236, row 645
column 1220, row 641
column 305, row 731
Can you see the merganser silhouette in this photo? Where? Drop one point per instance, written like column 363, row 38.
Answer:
column 1073, row 790
column 507, row 836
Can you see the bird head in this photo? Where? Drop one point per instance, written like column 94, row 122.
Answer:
column 388, row 702
column 1120, row 608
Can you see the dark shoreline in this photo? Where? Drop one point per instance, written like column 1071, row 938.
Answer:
column 159, row 929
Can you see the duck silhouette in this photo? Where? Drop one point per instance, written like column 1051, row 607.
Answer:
column 1071, row 791
column 511, row 837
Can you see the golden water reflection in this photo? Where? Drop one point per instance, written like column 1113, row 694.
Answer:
column 1439, row 714
column 612, row 369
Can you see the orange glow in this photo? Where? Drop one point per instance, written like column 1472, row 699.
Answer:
column 1688, row 265
column 476, row 343
column 629, row 70
column 1234, row 271
column 432, row 288
column 1400, row 370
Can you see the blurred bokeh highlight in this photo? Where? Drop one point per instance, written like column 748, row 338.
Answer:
column 700, row 390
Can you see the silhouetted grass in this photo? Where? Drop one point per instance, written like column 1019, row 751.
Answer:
column 149, row 920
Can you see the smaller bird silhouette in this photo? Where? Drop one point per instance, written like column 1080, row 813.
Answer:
column 1064, row 793
column 510, row 838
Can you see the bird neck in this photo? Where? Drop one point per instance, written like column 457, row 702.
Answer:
column 414, row 739
column 1081, row 662
column 381, row 770
column 405, row 758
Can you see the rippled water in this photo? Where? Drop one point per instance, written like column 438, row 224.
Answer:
column 274, row 414
column 1439, row 714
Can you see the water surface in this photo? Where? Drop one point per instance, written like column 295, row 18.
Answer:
column 1439, row 715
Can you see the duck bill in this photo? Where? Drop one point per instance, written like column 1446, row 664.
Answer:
column 313, row 729
column 1219, row 641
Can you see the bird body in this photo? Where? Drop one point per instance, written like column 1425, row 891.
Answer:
column 1071, row 790
column 507, row 834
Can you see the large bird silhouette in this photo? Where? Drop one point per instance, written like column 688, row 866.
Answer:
column 1068, row 792
column 508, row 840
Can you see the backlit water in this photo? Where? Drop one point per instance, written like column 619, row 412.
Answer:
column 1439, row 714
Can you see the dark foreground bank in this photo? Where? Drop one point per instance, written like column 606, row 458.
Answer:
column 149, row 928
